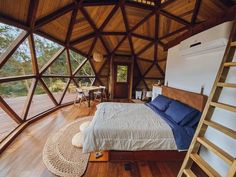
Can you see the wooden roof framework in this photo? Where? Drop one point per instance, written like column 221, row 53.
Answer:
column 153, row 10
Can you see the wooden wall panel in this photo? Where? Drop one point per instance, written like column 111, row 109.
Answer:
column 124, row 47
column 99, row 47
column 97, row 65
column 135, row 15
column 59, row 26
column 116, row 23
column 161, row 54
column 143, row 65
column 139, row 44
column 85, row 45
column 148, row 54
column 81, row 27
column 18, row 11
column 99, row 13
column 112, row 41
column 153, row 72
column 151, row 82
column 141, row 85
column 172, row 37
column 46, row 7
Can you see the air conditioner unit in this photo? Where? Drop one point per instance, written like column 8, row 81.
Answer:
column 206, row 42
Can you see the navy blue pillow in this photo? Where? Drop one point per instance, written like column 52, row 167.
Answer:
column 180, row 112
column 161, row 102
column 192, row 122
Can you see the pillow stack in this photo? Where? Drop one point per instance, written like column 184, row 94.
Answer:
column 78, row 138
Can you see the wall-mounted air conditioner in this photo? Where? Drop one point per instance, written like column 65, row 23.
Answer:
column 206, row 42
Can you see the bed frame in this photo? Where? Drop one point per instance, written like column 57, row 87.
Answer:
column 192, row 99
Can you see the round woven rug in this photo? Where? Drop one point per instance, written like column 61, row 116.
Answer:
column 61, row 157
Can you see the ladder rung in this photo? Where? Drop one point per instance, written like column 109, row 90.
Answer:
column 204, row 166
column 233, row 44
column 230, row 64
column 224, row 106
column 221, row 128
column 218, row 151
column 189, row 173
column 221, row 84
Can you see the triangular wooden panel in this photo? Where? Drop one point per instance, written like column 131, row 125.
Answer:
column 124, row 48
column 46, row 7
column 143, row 65
column 172, row 37
column 105, row 70
column 116, row 23
column 97, row 65
column 151, row 82
column 15, row 10
column 85, row 45
column 162, row 65
column 182, row 8
column 139, row 44
column 161, row 53
column 148, row 54
column 153, row 72
column 135, row 15
column 59, row 26
column 81, row 27
column 99, row 47
column 99, row 13
column 167, row 25
column 112, row 40
column 147, row 27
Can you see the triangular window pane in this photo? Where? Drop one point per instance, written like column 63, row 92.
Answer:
column 15, row 94
column 7, row 124
column 86, row 70
column 40, row 102
column 75, row 60
column 70, row 93
column 56, row 86
column 59, row 66
column 19, row 63
column 7, row 35
column 45, row 49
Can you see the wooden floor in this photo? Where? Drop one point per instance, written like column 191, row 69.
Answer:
column 24, row 156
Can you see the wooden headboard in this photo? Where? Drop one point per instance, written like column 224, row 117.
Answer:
column 192, row 99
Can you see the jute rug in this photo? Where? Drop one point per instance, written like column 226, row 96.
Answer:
column 61, row 157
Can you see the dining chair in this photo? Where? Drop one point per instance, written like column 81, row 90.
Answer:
column 100, row 93
column 81, row 95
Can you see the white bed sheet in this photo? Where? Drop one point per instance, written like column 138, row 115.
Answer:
column 127, row 127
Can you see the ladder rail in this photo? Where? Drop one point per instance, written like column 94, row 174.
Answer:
column 214, row 96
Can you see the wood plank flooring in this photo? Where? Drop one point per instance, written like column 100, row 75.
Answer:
column 23, row 158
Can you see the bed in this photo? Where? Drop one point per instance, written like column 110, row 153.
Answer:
column 136, row 127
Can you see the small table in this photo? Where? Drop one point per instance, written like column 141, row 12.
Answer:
column 90, row 90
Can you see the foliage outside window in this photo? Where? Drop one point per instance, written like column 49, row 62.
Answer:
column 122, row 73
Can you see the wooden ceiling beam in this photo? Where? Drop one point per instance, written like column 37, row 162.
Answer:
column 83, row 38
column 71, row 26
column 118, row 45
column 201, row 27
column 54, row 15
column 33, row 6
column 143, row 37
column 174, row 32
column 175, row 18
column 196, row 11
column 145, row 48
column 112, row 33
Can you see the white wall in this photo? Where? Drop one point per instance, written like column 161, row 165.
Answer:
column 193, row 72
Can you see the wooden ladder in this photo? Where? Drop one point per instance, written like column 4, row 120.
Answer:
column 212, row 103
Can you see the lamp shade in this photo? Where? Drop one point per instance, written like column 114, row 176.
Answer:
column 98, row 57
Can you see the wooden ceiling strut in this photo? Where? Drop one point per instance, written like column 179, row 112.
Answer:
column 54, row 15
column 68, row 59
column 28, row 102
column 33, row 6
column 83, row 38
column 64, row 92
column 196, row 11
column 71, row 25
column 16, row 78
column 51, row 61
column 9, row 111
column 175, row 18
column 33, row 54
column 12, row 48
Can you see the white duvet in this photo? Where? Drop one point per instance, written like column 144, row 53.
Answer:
column 127, row 127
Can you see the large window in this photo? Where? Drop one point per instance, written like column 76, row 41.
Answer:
column 27, row 93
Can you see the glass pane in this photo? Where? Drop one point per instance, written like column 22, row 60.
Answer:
column 6, row 124
column 40, row 102
column 45, row 49
column 15, row 94
column 7, row 35
column 56, row 86
column 122, row 73
column 86, row 70
column 84, row 81
column 75, row 59
column 70, row 93
column 59, row 66
column 19, row 63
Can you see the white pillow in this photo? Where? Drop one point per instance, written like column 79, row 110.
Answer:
column 78, row 140
column 84, row 125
